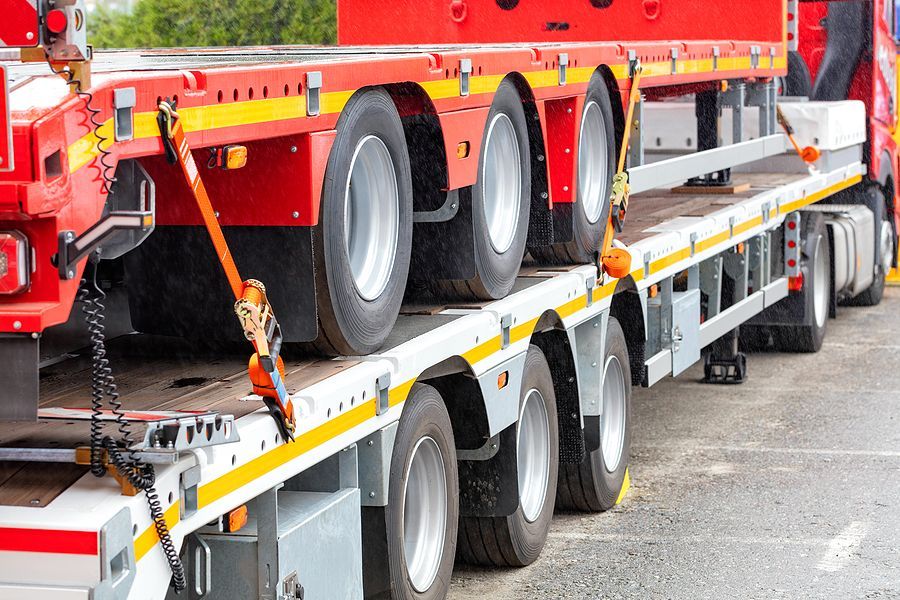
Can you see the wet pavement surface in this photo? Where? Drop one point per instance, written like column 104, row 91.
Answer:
column 787, row 486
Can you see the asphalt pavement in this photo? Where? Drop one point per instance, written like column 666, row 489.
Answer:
column 787, row 486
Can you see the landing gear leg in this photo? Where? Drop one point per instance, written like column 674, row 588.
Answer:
column 723, row 363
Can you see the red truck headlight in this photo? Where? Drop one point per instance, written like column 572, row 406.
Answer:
column 14, row 259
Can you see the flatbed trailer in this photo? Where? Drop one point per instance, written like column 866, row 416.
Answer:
column 350, row 408
column 476, row 417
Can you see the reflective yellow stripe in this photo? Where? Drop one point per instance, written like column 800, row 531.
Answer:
column 148, row 538
column 815, row 197
column 267, row 110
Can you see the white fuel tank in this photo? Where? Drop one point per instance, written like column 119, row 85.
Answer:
column 852, row 229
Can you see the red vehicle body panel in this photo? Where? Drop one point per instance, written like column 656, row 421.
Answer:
column 501, row 21
column 57, row 184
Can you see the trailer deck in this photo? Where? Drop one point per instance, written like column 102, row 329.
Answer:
column 342, row 401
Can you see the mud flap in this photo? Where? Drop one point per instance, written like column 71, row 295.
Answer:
column 176, row 286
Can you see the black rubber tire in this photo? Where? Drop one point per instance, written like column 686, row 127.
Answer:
column 797, row 82
column 424, row 415
column 589, row 486
column 496, row 273
column 348, row 323
column 512, row 541
column 807, row 335
column 872, row 295
column 587, row 236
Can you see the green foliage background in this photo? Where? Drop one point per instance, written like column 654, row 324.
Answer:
column 167, row 23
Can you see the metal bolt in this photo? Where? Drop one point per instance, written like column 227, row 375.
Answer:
column 29, row 36
column 371, row 443
column 569, row 111
column 593, row 364
column 596, row 325
column 544, row 195
column 70, row 236
column 17, row 325
column 493, row 446
column 294, row 149
column 35, row 335
column 371, row 494
column 571, row 379
column 35, row 501
column 568, row 150
column 217, row 214
column 565, row 188
column 70, row 273
column 541, row 157
column 295, row 214
column 453, row 205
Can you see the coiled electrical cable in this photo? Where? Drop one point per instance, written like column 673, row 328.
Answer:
column 103, row 385
column 106, row 166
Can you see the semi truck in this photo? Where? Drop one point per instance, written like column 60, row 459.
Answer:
column 477, row 239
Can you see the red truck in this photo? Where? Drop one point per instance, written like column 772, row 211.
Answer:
column 381, row 197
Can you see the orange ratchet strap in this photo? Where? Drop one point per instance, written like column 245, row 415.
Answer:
column 266, row 368
column 616, row 261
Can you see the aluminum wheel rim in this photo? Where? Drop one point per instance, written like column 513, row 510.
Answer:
column 533, row 455
column 424, row 513
column 592, row 162
column 887, row 247
column 820, row 286
column 371, row 217
column 501, row 178
column 612, row 419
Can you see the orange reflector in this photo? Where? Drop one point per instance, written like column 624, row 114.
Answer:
column 740, row 248
column 723, row 85
column 147, row 220
column 462, row 150
column 502, row 380
column 234, row 157
column 617, row 263
column 234, row 520
column 653, row 291
column 795, row 284
column 810, row 154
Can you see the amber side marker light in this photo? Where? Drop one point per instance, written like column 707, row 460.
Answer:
column 502, row 380
column 234, row 520
column 14, row 259
column 462, row 150
column 234, row 157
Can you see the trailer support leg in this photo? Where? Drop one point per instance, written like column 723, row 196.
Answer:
column 723, row 363
column 708, row 110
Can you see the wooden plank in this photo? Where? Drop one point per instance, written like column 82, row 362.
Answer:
column 735, row 188
column 37, row 484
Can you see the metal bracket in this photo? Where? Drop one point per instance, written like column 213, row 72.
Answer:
column 505, row 325
column 754, row 56
column 444, row 213
column 382, row 389
column 291, row 587
column 188, row 433
column 633, row 63
column 731, row 221
column 313, row 93
column 189, row 485
column 589, row 285
column 485, row 452
column 465, row 72
column 71, row 250
column 715, row 57
column 771, row 57
column 563, row 62
column 673, row 53
column 646, row 264
column 124, row 101
column 693, row 242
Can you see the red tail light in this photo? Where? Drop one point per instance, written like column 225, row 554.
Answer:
column 14, row 269
column 795, row 284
